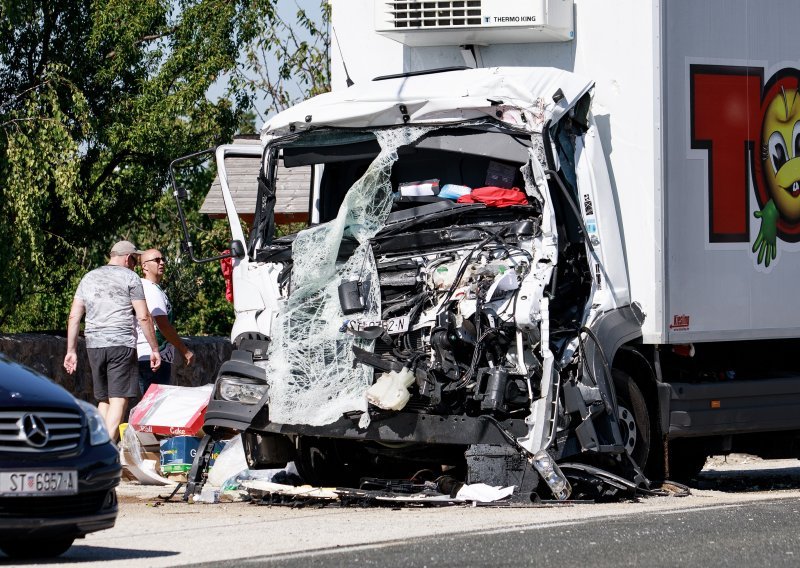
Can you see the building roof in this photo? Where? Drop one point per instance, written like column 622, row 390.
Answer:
column 292, row 195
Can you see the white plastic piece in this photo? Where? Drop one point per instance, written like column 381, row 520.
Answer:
column 466, row 308
column 503, row 282
column 279, row 489
column 133, row 460
column 483, row 493
column 230, row 461
column 419, row 188
column 390, row 391
column 145, row 472
column 208, row 494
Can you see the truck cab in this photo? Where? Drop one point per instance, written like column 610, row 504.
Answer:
column 462, row 277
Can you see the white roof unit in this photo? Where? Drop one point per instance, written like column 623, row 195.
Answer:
column 476, row 22
column 443, row 97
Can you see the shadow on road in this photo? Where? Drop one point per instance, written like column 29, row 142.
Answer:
column 756, row 475
column 86, row 553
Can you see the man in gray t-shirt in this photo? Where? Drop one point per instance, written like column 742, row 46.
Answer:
column 109, row 296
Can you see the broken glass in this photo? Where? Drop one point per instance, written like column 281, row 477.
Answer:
column 311, row 372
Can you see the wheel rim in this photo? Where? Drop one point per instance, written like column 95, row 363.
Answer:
column 628, row 427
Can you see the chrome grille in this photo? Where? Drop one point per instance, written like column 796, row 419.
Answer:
column 440, row 14
column 63, row 430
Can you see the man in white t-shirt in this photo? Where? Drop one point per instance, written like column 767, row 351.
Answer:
column 153, row 263
column 113, row 301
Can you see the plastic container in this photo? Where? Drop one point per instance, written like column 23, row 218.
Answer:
column 177, row 454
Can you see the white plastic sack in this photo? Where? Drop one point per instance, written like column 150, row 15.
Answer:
column 132, row 458
column 483, row 493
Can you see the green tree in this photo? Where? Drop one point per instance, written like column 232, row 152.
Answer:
column 96, row 98
column 196, row 291
column 300, row 48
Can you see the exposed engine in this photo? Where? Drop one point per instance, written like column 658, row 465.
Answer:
column 453, row 299
column 447, row 316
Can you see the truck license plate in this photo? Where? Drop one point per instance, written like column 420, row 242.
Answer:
column 392, row 325
column 26, row 483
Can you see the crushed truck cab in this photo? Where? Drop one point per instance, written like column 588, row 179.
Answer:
column 405, row 329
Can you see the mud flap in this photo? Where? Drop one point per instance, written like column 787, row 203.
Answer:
column 589, row 482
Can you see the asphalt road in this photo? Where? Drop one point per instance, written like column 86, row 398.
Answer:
column 751, row 534
column 740, row 514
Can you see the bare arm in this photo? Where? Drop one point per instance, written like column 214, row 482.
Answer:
column 73, row 330
column 146, row 323
column 172, row 336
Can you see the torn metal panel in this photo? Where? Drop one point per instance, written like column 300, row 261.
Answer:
column 523, row 97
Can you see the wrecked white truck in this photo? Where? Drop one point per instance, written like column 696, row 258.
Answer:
column 407, row 330
column 614, row 293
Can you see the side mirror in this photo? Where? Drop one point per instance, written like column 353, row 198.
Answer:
column 181, row 194
column 237, row 249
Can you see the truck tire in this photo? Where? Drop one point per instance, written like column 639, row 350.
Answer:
column 686, row 459
column 633, row 417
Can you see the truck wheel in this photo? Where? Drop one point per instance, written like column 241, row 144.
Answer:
column 686, row 459
column 633, row 417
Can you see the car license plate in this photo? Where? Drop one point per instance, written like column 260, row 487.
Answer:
column 26, row 483
column 392, row 325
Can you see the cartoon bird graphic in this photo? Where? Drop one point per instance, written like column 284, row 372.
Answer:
column 780, row 160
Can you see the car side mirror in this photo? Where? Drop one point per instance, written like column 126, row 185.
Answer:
column 237, row 249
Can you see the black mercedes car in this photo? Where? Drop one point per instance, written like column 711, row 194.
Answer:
column 58, row 467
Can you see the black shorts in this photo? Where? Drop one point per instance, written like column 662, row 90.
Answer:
column 115, row 372
column 148, row 377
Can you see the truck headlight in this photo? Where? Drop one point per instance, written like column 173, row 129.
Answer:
column 551, row 473
column 241, row 389
column 97, row 426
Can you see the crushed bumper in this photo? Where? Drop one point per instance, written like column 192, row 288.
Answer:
column 384, row 427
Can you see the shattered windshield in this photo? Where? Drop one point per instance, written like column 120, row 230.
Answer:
column 311, row 371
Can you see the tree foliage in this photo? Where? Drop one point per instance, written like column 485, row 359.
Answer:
column 97, row 97
column 300, row 49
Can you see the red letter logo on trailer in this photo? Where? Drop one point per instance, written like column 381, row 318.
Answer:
column 749, row 129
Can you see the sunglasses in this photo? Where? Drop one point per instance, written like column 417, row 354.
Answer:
column 158, row 259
